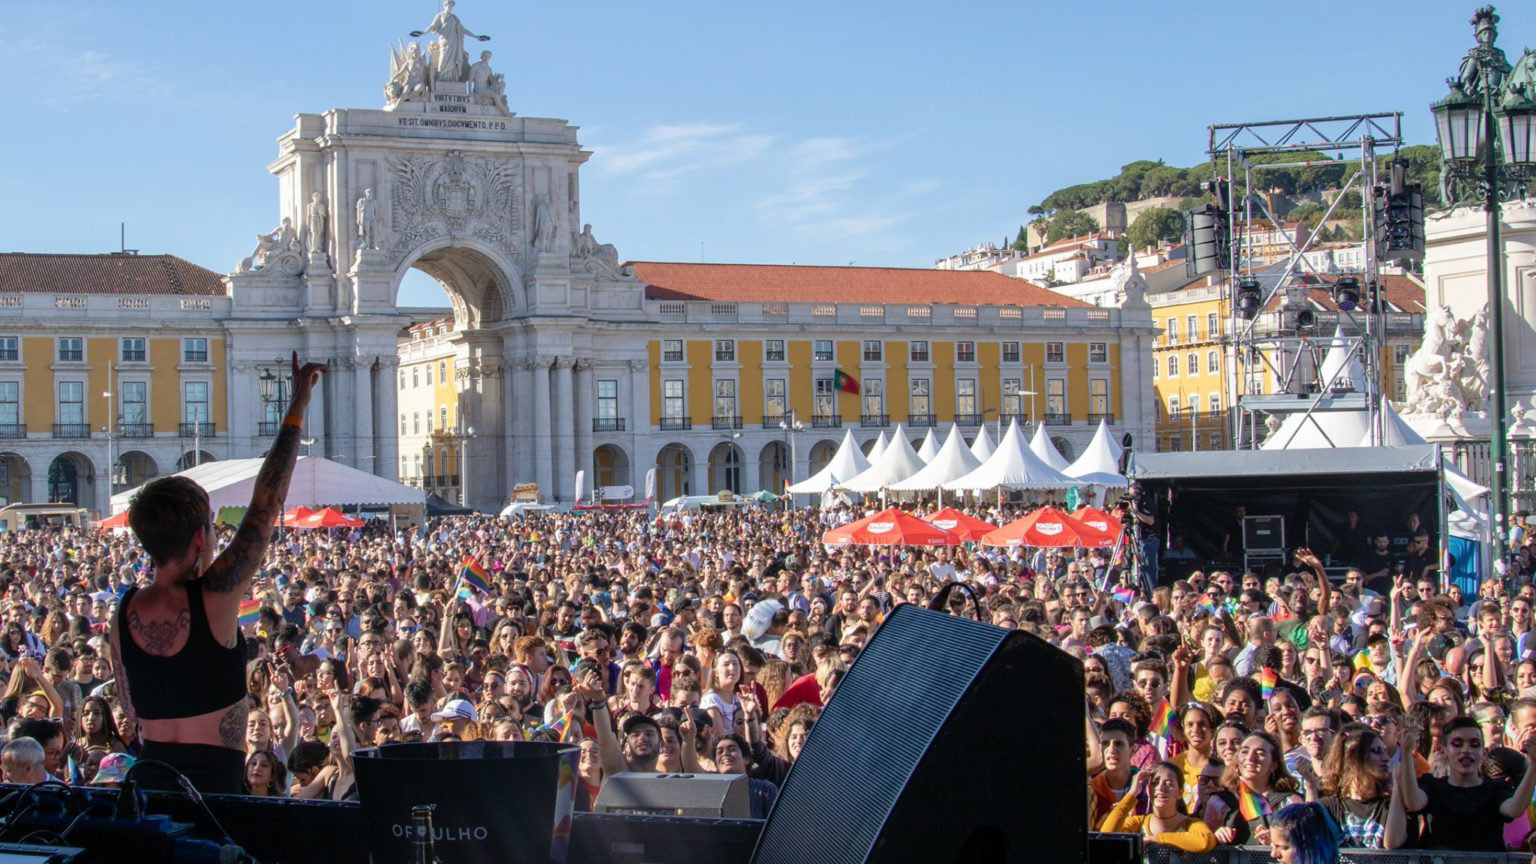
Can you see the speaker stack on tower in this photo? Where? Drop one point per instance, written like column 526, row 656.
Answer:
column 949, row 740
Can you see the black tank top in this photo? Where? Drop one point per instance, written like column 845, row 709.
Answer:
column 202, row 677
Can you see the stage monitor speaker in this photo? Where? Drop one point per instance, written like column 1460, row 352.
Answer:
column 948, row 741
column 1263, row 534
column 643, row 793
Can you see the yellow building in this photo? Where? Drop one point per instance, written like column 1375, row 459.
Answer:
column 113, row 369
column 431, row 423
column 1195, row 378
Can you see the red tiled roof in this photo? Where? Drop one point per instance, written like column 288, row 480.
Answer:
column 792, row 283
column 105, row 274
column 1404, row 292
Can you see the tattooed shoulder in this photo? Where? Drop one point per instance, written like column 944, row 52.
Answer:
column 158, row 638
column 232, row 726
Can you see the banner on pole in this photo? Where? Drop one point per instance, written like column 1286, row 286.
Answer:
column 581, row 484
column 650, row 484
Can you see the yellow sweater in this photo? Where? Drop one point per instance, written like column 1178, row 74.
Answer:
column 1195, row 836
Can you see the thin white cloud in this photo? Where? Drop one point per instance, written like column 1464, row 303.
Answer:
column 63, row 77
column 667, row 153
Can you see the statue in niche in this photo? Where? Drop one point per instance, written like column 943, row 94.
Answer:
column 407, row 76
column 485, row 86
column 282, row 241
column 546, row 224
column 449, row 59
column 314, row 219
column 368, row 220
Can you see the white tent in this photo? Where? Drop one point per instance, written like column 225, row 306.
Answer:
column 316, row 482
column 930, row 446
column 878, row 447
column 1341, row 365
column 953, row 461
column 1013, row 466
column 1320, row 430
column 897, row 463
column 982, row 448
column 1098, row 464
column 1043, row 447
column 849, row 461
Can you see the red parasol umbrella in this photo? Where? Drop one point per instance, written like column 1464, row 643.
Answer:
column 954, row 521
column 116, row 520
column 890, row 527
column 1047, row 527
column 327, row 517
column 1098, row 520
column 290, row 518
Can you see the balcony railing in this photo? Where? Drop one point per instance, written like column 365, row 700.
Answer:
column 968, row 419
column 608, row 424
column 204, row 428
column 268, row 428
column 136, row 430
column 918, row 421
column 71, row 430
column 1094, row 418
column 826, row 421
column 1023, row 419
column 1052, row 419
column 13, row 430
column 772, row 421
column 675, row 424
column 721, row 421
column 873, row 421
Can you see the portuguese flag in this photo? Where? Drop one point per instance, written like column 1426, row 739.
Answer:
column 844, row 382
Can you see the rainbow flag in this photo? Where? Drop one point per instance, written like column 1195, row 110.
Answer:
column 567, row 727
column 1164, row 720
column 1267, row 679
column 73, row 772
column 1125, row 593
column 250, row 612
column 1250, row 803
column 473, row 574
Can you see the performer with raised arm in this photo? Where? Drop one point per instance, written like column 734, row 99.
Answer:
column 178, row 656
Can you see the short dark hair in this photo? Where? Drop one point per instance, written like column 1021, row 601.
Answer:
column 41, row 731
column 1118, row 726
column 308, row 755
column 364, row 707
column 166, row 514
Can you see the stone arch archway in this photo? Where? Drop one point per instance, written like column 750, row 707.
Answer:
column 1064, row 447
column 821, row 453
column 773, row 466
column 192, row 459
column 15, row 477
column 72, row 480
column 674, row 472
column 133, row 468
column 725, row 467
column 610, row 467
column 483, row 285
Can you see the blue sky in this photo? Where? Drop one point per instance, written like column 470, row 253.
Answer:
column 887, row 133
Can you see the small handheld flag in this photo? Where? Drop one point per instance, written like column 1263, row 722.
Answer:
column 250, row 612
column 1250, row 803
column 1164, row 720
column 1125, row 593
column 1267, row 679
column 474, row 575
column 568, row 728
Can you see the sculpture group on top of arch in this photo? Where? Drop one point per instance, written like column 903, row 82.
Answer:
column 1447, row 377
column 415, row 74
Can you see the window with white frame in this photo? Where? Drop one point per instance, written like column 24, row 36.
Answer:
column 1173, row 365
column 773, row 351
column 194, row 349
column 965, row 396
column 10, row 349
column 775, row 400
column 1173, row 330
column 919, row 405
column 874, row 350
column 1012, row 397
column 404, row 423
column 133, row 349
column 1212, row 362
column 874, row 396
column 1098, row 352
column 133, row 403
column 194, row 404
column 1173, row 407
column 429, row 374
column 415, row 376
column 917, row 351
column 1215, row 404
column 965, row 352
column 672, row 402
column 725, row 350
column 428, row 412
column 1098, row 396
column 415, row 422
column 10, row 406
column 1055, row 352
column 821, row 349
column 442, row 416
column 1194, row 330
column 1194, row 405
column 442, row 371
column 1056, row 397
column 607, row 400
column 1010, row 352
column 1192, row 363
column 826, row 398
column 672, row 350
column 1212, row 326
column 71, row 349
column 725, row 397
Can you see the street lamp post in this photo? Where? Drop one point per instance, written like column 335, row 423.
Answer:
column 1485, row 130
column 111, row 461
column 465, row 433
column 790, row 427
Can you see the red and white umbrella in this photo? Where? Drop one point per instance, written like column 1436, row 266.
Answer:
column 1098, row 520
column 890, row 527
column 967, row 526
column 1048, row 527
column 327, row 517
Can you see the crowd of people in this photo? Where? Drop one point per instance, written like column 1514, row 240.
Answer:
column 1223, row 708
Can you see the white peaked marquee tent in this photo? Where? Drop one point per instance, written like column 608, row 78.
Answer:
column 316, row 483
column 930, row 446
column 982, row 448
column 953, row 461
column 1341, row 365
column 875, row 449
column 897, row 463
column 1012, row 466
column 1099, row 465
column 1042, row 446
column 848, row 462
